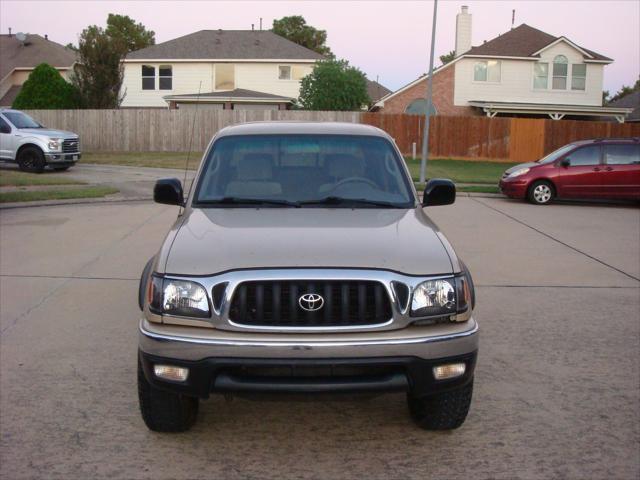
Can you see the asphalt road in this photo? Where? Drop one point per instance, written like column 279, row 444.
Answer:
column 557, row 391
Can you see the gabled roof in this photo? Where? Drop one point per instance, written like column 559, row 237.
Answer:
column 631, row 100
column 226, row 44
column 376, row 91
column 36, row 50
column 524, row 41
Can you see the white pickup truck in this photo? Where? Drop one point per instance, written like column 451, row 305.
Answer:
column 33, row 146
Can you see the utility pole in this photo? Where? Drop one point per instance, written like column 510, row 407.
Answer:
column 425, row 136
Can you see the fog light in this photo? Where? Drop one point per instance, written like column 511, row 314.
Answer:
column 169, row 372
column 451, row 370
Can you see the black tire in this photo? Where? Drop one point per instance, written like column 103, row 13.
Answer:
column 61, row 169
column 142, row 288
column 31, row 159
column 165, row 411
column 541, row 192
column 443, row 411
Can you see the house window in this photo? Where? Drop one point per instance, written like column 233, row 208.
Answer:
column 419, row 107
column 165, row 80
column 148, row 77
column 225, row 76
column 284, row 72
column 578, row 76
column 560, row 66
column 540, row 76
column 487, row 71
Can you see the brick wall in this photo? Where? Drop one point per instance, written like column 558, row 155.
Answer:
column 443, row 85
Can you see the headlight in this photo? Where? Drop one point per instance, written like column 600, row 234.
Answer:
column 517, row 173
column 443, row 297
column 434, row 297
column 54, row 144
column 178, row 297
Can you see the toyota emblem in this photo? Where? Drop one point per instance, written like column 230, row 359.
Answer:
column 311, row 302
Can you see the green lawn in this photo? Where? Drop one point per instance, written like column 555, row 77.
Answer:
column 13, row 178
column 145, row 159
column 35, row 195
column 461, row 171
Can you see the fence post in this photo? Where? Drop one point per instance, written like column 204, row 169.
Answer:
column 413, row 150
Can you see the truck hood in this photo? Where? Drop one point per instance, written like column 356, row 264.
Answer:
column 215, row 240
column 46, row 132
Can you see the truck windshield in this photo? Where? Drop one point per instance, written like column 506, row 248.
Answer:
column 304, row 171
column 21, row 120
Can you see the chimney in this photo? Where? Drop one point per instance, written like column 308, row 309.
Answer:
column 463, row 31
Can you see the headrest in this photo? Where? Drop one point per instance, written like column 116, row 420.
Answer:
column 341, row 165
column 255, row 166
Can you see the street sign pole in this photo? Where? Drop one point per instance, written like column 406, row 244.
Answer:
column 425, row 136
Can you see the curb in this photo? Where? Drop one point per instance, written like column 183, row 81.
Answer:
column 90, row 201
column 72, row 201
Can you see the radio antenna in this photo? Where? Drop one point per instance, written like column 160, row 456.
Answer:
column 193, row 127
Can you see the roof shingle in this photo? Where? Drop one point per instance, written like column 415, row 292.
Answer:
column 522, row 41
column 36, row 50
column 227, row 44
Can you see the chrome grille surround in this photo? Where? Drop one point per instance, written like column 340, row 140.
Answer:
column 220, row 317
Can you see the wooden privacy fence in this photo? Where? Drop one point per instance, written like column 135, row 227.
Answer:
column 147, row 130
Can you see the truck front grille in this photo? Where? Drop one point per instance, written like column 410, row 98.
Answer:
column 71, row 145
column 278, row 303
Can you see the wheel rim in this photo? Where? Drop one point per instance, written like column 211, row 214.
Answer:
column 29, row 160
column 542, row 193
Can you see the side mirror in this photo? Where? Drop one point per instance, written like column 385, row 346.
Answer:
column 5, row 129
column 169, row 192
column 565, row 162
column 439, row 191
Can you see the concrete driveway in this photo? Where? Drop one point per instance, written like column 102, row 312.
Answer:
column 557, row 387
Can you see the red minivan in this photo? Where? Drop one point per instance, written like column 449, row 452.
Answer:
column 602, row 168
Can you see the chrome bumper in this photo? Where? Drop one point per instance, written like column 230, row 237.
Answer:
column 192, row 344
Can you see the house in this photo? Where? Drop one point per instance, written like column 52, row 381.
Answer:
column 21, row 53
column 523, row 72
column 376, row 91
column 631, row 100
column 219, row 69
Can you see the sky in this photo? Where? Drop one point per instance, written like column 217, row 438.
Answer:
column 387, row 39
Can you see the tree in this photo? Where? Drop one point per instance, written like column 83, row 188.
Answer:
column 334, row 85
column 448, row 57
column 605, row 97
column 46, row 89
column 626, row 90
column 295, row 28
column 128, row 34
column 98, row 73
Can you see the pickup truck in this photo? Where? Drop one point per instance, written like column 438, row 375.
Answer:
column 302, row 261
column 33, row 146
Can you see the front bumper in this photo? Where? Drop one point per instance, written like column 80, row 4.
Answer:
column 516, row 188
column 68, row 158
column 220, row 361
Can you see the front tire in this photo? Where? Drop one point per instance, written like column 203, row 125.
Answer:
column 541, row 192
column 165, row 411
column 31, row 159
column 442, row 411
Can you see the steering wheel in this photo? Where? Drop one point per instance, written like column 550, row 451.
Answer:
column 355, row 180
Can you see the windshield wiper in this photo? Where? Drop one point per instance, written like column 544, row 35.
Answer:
column 333, row 200
column 248, row 201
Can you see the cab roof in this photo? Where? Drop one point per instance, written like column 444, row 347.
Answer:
column 302, row 128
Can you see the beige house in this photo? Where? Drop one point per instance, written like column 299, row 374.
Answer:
column 219, row 69
column 524, row 72
column 21, row 53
